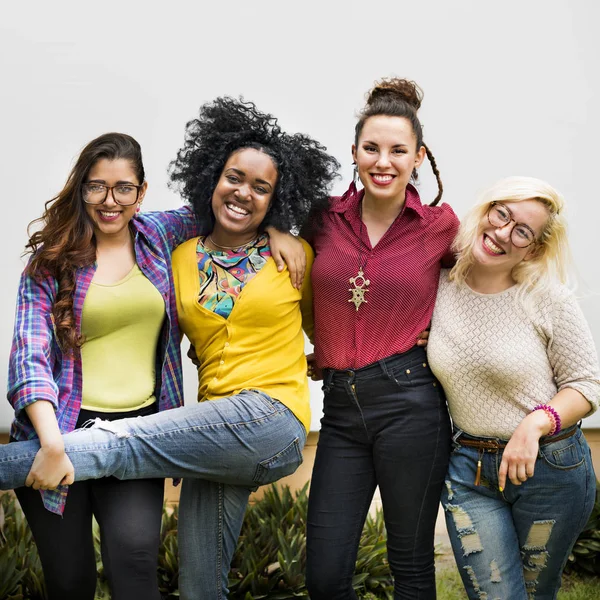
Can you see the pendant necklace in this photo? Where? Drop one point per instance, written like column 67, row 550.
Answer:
column 359, row 282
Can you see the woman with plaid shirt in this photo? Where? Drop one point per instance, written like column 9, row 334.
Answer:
column 96, row 334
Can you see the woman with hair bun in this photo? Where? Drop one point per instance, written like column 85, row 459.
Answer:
column 242, row 175
column 517, row 360
column 378, row 257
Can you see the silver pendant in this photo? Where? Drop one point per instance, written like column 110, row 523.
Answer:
column 359, row 290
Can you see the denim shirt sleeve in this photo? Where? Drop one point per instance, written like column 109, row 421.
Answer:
column 34, row 349
column 177, row 225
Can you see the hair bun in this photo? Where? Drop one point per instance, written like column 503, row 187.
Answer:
column 399, row 89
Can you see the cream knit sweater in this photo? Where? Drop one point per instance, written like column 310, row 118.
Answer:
column 496, row 362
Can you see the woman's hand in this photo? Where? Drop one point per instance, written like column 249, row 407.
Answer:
column 313, row 371
column 287, row 249
column 521, row 452
column 423, row 338
column 50, row 468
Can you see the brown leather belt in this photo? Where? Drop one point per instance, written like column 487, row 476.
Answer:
column 495, row 445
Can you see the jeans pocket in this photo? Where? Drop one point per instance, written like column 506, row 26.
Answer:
column 414, row 375
column 281, row 464
column 563, row 455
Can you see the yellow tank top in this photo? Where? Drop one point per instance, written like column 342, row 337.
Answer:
column 121, row 325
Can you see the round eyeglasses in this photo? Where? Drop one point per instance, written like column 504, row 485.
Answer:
column 124, row 194
column 500, row 216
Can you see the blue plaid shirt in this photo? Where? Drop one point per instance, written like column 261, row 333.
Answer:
column 39, row 370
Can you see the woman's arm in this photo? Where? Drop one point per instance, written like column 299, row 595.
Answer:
column 177, row 225
column 287, row 250
column 34, row 350
column 31, row 385
column 181, row 225
column 572, row 356
column 51, row 466
column 520, row 454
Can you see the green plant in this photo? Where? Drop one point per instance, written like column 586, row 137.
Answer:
column 269, row 560
column 20, row 568
column 270, row 557
column 168, row 556
column 585, row 556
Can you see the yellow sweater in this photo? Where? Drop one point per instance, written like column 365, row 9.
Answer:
column 261, row 345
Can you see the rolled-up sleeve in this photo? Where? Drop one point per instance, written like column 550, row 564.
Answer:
column 34, row 351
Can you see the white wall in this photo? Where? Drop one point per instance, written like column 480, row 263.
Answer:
column 511, row 88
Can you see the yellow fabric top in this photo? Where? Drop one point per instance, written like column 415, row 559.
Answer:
column 121, row 325
column 261, row 345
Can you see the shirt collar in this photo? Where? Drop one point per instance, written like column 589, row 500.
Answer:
column 350, row 201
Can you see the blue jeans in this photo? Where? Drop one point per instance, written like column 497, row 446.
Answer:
column 231, row 445
column 384, row 425
column 514, row 544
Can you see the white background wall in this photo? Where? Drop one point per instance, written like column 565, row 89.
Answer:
column 511, row 88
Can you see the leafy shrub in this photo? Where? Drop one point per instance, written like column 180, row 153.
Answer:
column 269, row 560
column 268, row 563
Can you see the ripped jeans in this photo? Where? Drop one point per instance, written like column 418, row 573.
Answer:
column 513, row 545
column 226, row 447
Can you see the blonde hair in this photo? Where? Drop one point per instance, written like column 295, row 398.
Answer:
column 551, row 256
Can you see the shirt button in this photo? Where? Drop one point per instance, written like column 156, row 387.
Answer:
column 222, row 362
column 226, row 344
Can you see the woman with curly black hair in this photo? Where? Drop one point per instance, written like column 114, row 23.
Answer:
column 240, row 173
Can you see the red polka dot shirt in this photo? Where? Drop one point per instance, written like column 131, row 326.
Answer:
column 403, row 270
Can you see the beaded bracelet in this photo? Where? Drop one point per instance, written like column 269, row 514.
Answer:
column 552, row 415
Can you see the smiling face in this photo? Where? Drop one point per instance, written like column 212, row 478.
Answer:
column 110, row 218
column 386, row 156
column 242, row 196
column 494, row 249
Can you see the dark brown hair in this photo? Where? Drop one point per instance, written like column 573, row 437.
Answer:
column 399, row 98
column 66, row 240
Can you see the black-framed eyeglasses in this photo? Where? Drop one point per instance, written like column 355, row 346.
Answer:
column 124, row 194
column 500, row 216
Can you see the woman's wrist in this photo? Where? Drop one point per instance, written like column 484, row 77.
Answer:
column 53, row 446
column 539, row 422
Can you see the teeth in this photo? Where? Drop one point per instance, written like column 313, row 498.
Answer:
column 237, row 209
column 108, row 214
column 382, row 178
column 491, row 246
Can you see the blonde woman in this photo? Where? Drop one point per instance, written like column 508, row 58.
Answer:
column 517, row 361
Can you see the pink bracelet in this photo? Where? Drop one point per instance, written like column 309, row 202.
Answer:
column 552, row 415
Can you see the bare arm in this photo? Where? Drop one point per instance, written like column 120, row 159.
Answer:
column 287, row 250
column 51, row 466
column 520, row 454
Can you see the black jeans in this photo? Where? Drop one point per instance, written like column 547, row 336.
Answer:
column 384, row 425
column 129, row 514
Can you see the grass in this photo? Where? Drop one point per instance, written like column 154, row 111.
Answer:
column 575, row 587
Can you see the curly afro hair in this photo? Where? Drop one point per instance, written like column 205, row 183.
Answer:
column 226, row 125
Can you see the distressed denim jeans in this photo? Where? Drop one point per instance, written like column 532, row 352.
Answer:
column 230, row 445
column 514, row 544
